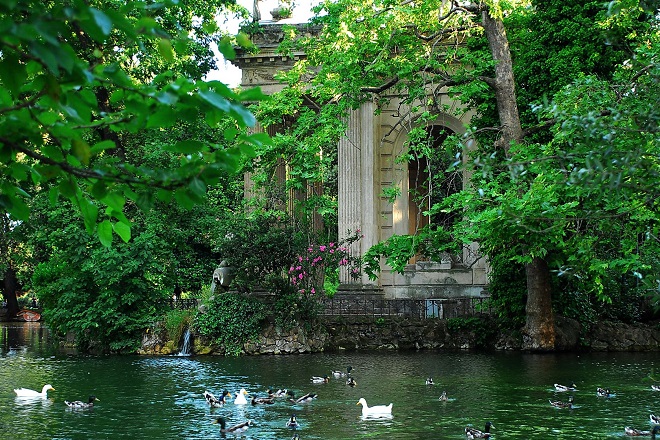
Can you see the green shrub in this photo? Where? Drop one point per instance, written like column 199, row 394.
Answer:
column 176, row 321
column 231, row 320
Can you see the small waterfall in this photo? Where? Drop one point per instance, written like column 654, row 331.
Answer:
column 187, row 344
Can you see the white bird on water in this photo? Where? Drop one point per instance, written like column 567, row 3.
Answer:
column 24, row 392
column 378, row 410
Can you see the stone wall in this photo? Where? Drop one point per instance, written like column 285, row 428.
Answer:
column 361, row 333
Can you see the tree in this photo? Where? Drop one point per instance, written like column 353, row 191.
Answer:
column 77, row 78
column 517, row 205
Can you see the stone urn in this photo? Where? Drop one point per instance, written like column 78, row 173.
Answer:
column 223, row 276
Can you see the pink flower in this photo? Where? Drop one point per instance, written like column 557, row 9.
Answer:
column 322, row 248
column 313, row 291
column 300, row 276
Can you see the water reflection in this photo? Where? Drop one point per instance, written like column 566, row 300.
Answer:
column 161, row 397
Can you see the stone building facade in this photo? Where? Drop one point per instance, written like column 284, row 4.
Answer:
column 367, row 166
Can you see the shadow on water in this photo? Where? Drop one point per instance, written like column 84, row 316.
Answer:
column 161, row 396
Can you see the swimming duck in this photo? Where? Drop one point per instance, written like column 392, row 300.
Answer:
column 337, row 373
column 278, row 393
column 240, row 427
column 563, row 388
column 443, row 397
column 24, row 392
column 262, row 400
column 214, row 401
column 295, row 437
column 429, row 381
column 655, row 419
column 79, row 404
column 559, row 404
column 292, row 422
column 304, row 399
column 638, row 432
column 374, row 410
column 351, row 382
column 240, row 397
column 655, row 387
column 318, row 379
column 603, row 392
column 472, row 433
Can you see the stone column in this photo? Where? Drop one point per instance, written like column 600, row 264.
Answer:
column 357, row 194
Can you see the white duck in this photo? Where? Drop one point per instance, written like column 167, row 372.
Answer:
column 24, row 392
column 378, row 410
column 240, row 397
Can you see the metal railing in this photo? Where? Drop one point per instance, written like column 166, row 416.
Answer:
column 377, row 306
column 410, row 308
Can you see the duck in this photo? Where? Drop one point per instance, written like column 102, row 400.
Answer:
column 337, row 373
column 472, row 433
column 240, row 397
column 638, row 432
column 278, row 393
column 563, row 388
column 214, row 401
column 318, row 379
column 295, row 436
column 655, row 387
column 304, row 399
column 559, row 404
column 603, row 392
column 429, row 381
column 351, row 382
column 262, row 400
column 292, row 422
column 24, row 392
column 655, row 419
column 374, row 410
column 79, row 404
column 240, row 427
column 443, row 397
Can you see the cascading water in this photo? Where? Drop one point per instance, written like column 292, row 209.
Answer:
column 187, row 344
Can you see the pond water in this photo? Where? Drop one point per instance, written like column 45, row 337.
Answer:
column 160, row 397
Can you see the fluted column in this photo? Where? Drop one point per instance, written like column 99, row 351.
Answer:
column 357, row 186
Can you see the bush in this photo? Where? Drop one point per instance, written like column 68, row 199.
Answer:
column 231, row 320
column 176, row 321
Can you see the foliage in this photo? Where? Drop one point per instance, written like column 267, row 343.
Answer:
column 232, row 319
column 320, row 265
column 506, row 285
column 260, row 245
column 482, row 329
column 76, row 78
column 104, row 297
column 176, row 321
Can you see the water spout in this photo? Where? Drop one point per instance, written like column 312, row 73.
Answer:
column 187, row 344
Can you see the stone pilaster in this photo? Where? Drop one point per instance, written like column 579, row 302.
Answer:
column 357, row 184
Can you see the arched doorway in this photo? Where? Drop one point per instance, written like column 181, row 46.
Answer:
column 430, row 179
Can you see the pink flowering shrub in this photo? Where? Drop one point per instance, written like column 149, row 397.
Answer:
column 317, row 270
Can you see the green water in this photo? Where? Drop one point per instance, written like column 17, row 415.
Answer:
column 161, row 397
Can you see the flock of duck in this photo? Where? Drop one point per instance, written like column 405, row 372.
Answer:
column 26, row 393
column 606, row 392
column 240, row 398
column 377, row 411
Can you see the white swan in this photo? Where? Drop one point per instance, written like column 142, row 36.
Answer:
column 24, row 392
column 240, row 397
column 378, row 410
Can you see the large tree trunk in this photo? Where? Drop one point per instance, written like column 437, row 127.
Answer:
column 10, row 284
column 539, row 330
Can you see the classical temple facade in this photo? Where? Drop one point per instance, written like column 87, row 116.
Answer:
column 368, row 165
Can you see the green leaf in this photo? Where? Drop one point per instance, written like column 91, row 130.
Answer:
column 123, row 230
column 183, row 199
column 90, row 214
column 197, row 187
column 105, row 233
column 186, row 147
column 102, row 146
column 12, row 73
column 115, row 201
column 68, row 188
column 226, row 48
column 81, row 151
column 102, row 21
column 165, row 49
column 163, row 117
